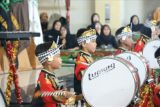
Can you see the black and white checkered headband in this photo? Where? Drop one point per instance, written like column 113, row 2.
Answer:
column 49, row 53
column 86, row 38
column 126, row 34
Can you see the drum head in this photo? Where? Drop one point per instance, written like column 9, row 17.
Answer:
column 108, row 82
column 2, row 100
column 149, row 51
column 137, row 62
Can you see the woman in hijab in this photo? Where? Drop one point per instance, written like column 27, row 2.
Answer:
column 134, row 23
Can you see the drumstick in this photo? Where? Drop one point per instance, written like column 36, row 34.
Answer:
column 56, row 93
column 85, row 63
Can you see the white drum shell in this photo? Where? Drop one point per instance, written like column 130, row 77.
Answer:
column 137, row 61
column 113, row 86
column 149, row 51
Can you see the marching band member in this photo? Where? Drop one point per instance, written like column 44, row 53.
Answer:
column 156, row 97
column 87, row 42
column 47, row 92
column 124, row 38
column 143, row 39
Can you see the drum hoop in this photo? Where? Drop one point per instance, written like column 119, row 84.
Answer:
column 115, row 58
column 150, row 42
column 139, row 56
column 3, row 98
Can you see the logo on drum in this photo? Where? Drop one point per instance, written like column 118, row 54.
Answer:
column 96, row 74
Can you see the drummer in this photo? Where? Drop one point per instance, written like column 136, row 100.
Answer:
column 157, row 56
column 156, row 98
column 124, row 38
column 87, row 42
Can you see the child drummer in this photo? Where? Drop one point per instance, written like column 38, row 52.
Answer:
column 87, row 42
column 124, row 38
column 48, row 93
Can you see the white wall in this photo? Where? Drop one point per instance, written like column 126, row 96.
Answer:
column 142, row 8
column 129, row 8
column 80, row 11
column 149, row 6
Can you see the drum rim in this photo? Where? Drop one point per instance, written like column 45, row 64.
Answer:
column 151, row 40
column 3, row 97
column 139, row 56
column 115, row 58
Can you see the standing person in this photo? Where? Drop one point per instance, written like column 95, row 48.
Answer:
column 87, row 42
column 44, row 21
column 49, row 56
column 94, row 18
column 124, row 38
column 106, row 38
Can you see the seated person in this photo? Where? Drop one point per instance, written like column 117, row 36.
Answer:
column 52, row 34
column 106, row 38
column 134, row 24
column 67, row 40
column 94, row 18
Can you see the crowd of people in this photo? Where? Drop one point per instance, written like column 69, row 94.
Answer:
column 105, row 38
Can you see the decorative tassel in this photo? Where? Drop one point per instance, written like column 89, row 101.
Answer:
column 12, row 53
column 8, row 89
column 146, row 95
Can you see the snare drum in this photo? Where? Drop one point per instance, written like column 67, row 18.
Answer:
column 110, row 82
column 139, row 62
column 149, row 51
column 2, row 100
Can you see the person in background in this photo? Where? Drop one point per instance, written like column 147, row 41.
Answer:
column 98, row 27
column 44, row 21
column 106, row 38
column 52, row 34
column 87, row 42
column 67, row 40
column 135, row 24
column 94, row 18
column 64, row 22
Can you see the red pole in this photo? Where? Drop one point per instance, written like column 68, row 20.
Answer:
column 68, row 10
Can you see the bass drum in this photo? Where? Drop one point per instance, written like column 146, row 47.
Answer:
column 137, row 61
column 110, row 82
column 149, row 51
column 2, row 100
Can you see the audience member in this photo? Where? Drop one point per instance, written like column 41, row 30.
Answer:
column 52, row 34
column 106, row 39
column 67, row 40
